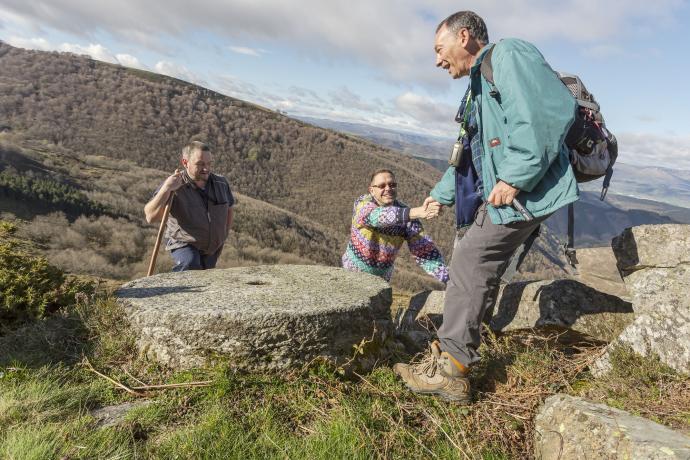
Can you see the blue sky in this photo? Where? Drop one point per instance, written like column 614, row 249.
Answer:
column 373, row 61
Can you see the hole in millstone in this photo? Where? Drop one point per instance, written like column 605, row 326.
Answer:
column 256, row 283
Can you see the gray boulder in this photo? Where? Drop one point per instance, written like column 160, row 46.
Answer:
column 529, row 304
column 561, row 304
column 567, row 427
column 260, row 318
column 597, row 268
column 661, row 290
column 656, row 262
column 663, row 246
column 664, row 336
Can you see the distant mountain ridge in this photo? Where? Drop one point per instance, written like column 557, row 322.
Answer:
column 597, row 222
column 665, row 185
column 413, row 144
column 638, row 194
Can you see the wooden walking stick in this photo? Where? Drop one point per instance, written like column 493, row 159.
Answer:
column 161, row 229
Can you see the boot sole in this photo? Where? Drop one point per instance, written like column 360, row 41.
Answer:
column 443, row 395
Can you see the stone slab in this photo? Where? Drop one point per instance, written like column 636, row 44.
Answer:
column 658, row 335
column 561, row 303
column 529, row 304
column 567, row 427
column 264, row 317
column 662, row 246
column 597, row 268
column 661, row 290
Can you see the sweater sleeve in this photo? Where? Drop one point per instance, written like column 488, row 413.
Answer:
column 369, row 214
column 425, row 252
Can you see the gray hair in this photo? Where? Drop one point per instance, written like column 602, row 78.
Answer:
column 466, row 20
column 194, row 146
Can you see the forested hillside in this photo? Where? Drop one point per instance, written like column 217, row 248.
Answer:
column 100, row 109
column 85, row 137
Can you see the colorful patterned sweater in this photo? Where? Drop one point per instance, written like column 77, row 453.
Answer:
column 377, row 234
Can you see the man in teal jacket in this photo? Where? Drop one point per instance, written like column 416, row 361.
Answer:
column 512, row 139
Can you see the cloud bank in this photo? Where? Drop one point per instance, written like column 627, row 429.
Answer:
column 393, row 36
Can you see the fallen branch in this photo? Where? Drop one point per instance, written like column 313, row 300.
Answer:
column 133, row 377
column 137, row 391
column 203, row 383
column 111, row 380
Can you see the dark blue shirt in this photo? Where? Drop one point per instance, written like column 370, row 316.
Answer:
column 468, row 174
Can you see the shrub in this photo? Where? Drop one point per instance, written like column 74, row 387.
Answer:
column 29, row 286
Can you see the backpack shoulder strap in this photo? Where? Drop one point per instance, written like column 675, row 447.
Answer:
column 569, row 247
column 486, row 68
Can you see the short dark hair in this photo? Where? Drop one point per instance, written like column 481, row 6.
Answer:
column 194, row 146
column 466, row 20
column 380, row 171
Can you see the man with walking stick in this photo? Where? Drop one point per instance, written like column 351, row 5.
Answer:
column 200, row 211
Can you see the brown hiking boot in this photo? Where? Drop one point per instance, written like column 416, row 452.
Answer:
column 439, row 374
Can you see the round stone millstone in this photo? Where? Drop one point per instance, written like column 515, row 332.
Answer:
column 264, row 317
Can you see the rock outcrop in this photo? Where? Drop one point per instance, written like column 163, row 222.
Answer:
column 569, row 427
column 597, row 268
column 562, row 304
column 655, row 260
column 528, row 304
column 260, row 318
column 645, row 246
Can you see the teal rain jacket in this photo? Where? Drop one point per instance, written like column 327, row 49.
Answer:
column 522, row 132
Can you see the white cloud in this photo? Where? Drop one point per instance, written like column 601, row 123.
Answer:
column 175, row 70
column 128, row 60
column 345, row 98
column 424, row 109
column 305, row 94
column 605, row 51
column 654, row 150
column 246, row 51
column 30, row 43
column 240, row 89
column 393, row 36
column 96, row 51
column 346, row 106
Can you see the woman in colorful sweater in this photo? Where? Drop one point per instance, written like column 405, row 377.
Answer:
column 380, row 225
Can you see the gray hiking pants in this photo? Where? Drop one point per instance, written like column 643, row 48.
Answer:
column 479, row 259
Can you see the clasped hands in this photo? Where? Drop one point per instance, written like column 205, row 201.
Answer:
column 502, row 194
column 428, row 210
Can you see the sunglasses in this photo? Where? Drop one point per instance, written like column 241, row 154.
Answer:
column 383, row 186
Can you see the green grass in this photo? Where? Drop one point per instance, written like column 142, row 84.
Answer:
column 315, row 412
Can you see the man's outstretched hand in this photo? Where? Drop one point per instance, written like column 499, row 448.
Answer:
column 430, row 201
column 502, row 194
column 428, row 210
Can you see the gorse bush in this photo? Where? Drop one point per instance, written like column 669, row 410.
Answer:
column 30, row 287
